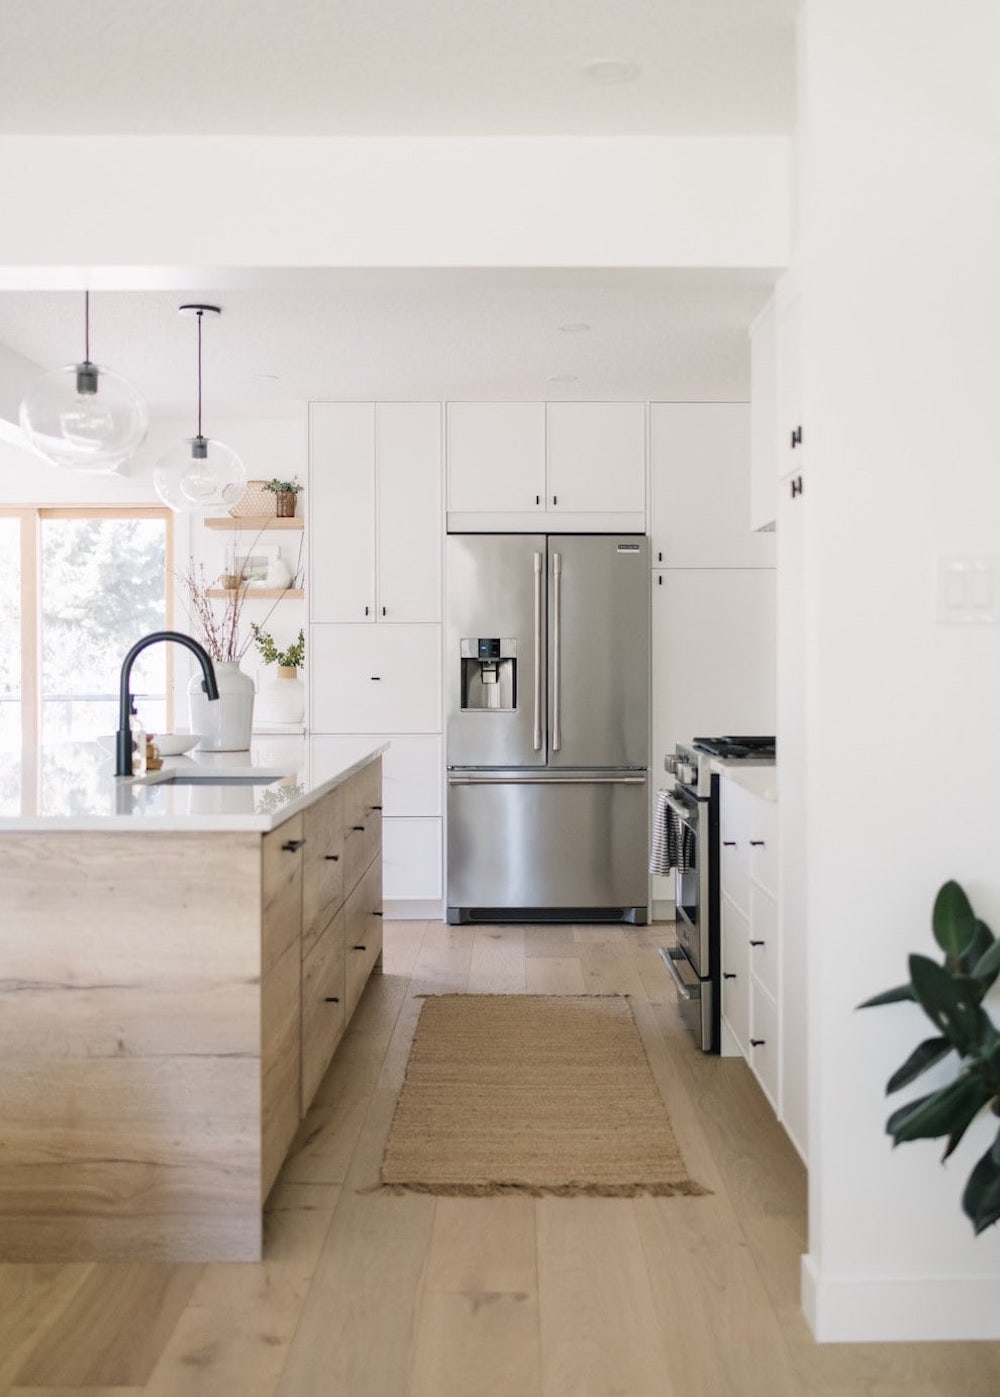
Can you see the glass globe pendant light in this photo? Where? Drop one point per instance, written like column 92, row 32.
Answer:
column 199, row 475
column 83, row 417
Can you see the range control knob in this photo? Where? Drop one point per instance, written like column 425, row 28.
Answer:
column 670, row 764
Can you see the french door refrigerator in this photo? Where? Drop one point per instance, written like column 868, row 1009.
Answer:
column 547, row 727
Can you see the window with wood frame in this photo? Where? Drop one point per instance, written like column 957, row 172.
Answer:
column 77, row 587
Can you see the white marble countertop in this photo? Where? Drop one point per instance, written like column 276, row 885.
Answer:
column 72, row 786
column 757, row 775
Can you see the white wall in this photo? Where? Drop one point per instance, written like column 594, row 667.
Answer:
column 394, row 202
column 900, row 225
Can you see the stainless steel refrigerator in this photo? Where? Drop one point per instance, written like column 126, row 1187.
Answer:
column 547, row 713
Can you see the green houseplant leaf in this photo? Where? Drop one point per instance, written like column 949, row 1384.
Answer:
column 953, row 920
column 951, row 996
column 925, row 1055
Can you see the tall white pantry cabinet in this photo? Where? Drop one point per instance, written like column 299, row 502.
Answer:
column 374, row 595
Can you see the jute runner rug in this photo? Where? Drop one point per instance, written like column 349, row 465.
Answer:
column 531, row 1094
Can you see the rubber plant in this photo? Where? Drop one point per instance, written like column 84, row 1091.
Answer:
column 951, row 995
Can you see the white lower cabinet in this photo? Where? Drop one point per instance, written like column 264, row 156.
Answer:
column 751, row 943
column 411, row 860
column 375, row 678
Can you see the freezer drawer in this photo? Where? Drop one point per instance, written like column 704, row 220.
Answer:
column 525, row 846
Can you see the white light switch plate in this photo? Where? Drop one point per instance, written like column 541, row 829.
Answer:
column 966, row 587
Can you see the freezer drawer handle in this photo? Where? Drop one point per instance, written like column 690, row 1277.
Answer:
column 537, row 733
column 546, row 780
column 556, row 650
column 670, row 955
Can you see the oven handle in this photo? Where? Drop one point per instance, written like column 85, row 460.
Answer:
column 690, row 817
column 669, row 955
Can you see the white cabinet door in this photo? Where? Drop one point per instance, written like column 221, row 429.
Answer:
column 411, row 859
column 791, row 776
column 735, row 945
column 496, row 457
column 410, row 529
column 700, row 488
column 596, row 454
column 375, row 679
column 342, row 511
column 763, row 418
column 412, row 768
column 791, row 431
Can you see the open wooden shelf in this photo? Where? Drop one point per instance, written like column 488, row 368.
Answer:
column 254, row 523
column 264, row 593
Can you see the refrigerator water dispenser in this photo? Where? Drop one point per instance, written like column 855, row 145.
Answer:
column 489, row 673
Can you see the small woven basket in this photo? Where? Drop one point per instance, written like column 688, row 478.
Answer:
column 254, row 502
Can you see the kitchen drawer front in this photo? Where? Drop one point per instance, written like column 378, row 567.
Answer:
column 736, row 973
column 324, row 1005
column 384, row 678
column 765, row 1045
column 734, row 853
column 281, row 881
column 323, row 865
column 362, row 821
column 363, row 933
column 411, row 859
column 763, row 834
column 764, row 929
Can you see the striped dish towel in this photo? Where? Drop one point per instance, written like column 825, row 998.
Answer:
column 673, row 843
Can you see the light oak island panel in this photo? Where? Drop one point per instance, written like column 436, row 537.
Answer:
column 151, row 1033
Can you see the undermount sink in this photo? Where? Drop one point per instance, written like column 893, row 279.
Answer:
column 214, row 778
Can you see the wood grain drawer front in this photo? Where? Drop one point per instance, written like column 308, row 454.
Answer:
column 280, row 1034
column 323, row 866
column 324, row 1005
column 764, row 939
column 736, row 973
column 764, row 844
column 363, row 930
column 765, row 1054
column 362, row 822
column 281, row 888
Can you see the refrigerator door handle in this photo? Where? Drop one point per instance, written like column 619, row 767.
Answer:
column 538, row 653
column 532, row 780
column 556, row 647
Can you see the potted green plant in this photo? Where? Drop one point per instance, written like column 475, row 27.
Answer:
column 285, row 493
column 282, row 699
column 951, row 995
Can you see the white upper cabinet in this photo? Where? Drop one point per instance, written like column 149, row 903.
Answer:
column 596, row 454
column 375, row 509
column 700, row 488
column 496, row 456
column 546, row 465
column 791, row 430
column 763, row 418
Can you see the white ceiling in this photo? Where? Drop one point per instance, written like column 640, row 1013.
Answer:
column 392, row 67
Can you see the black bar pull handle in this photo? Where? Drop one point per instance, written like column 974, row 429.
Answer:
column 729, row 843
column 360, row 828
column 293, row 845
column 333, row 858
column 332, row 999
column 757, row 1042
column 729, row 974
column 758, row 943
column 376, row 914
column 756, row 843
column 361, row 948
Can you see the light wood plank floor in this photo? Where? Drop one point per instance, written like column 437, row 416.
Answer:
column 374, row 1295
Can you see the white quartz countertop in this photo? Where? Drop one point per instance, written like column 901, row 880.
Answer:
column 756, row 775
column 72, row 786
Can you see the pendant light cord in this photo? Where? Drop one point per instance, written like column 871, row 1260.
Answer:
column 86, row 327
column 200, row 314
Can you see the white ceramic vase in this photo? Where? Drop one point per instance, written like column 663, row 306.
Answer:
column 225, row 724
column 283, row 698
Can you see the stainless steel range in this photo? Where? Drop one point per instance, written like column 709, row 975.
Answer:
column 691, row 813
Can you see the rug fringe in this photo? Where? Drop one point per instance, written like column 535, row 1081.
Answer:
column 683, row 1188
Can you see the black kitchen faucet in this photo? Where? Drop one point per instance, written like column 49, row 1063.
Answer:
column 123, row 738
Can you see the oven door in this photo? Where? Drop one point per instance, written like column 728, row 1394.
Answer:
column 691, row 889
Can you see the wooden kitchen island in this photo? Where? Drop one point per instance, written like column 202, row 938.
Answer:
column 178, row 966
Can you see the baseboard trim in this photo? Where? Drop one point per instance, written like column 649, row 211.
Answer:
column 663, row 910
column 414, row 909
column 897, row 1309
